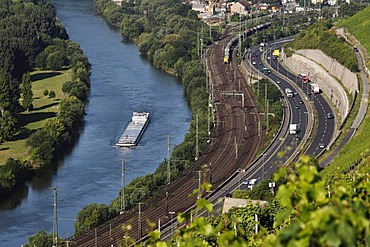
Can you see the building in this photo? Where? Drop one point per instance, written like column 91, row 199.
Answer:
column 241, row 7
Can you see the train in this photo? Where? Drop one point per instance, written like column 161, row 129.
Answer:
column 234, row 40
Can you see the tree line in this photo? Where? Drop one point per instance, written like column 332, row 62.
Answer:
column 32, row 38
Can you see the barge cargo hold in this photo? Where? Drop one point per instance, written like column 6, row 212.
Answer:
column 134, row 130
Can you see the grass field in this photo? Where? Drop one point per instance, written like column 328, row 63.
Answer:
column 44, row 109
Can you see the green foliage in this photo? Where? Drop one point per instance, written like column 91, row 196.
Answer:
column 306, row 212
column 352, row 154
column 52, row 94
column 322, row 215
column 91, row 217
column 274, row 105
column 26, row 89
column 42, row 150
column 350, row 9
column 40, row 239
column 9, row 93
column 7, row 126
column 320, row 36
column 71, row 112
column 13, row 173
column 31, row 35
column 56, row 60
column 358, row 25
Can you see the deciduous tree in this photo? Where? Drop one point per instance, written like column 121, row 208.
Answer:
column 26, row 90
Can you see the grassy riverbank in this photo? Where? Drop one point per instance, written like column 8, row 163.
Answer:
column 45, row 108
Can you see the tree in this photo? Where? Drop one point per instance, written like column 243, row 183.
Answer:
column 13, row 173
column 26, row 90
column 90, row 217
column 45, row 92
column 56, row 60
column 52, row 94
column 71, row 111
column 9, row 93
column 7, row 126
column 42, row 148
column 40, row 239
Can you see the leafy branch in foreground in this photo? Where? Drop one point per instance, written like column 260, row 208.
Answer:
column 305, row 212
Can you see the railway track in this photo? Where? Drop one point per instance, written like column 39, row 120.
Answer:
column 233, row 146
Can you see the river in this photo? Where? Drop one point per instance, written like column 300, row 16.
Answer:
column 121, row 82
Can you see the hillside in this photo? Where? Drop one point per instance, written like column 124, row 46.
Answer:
column 359, row 26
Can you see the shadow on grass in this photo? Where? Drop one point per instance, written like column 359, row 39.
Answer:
column 23, row 134
column 46, row 106
column 41, row 76
column 3, row 149
column 25, row 119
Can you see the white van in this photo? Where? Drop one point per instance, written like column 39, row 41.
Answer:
column 252, row 183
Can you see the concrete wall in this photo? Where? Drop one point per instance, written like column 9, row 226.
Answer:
column 348, row 78
column 329, row 86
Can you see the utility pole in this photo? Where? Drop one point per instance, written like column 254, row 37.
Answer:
column 168, row 161
column 266, row 110
column 198, row 44
column 197, row 139
column 209, row 117
column 199, row 183
column 171, row 215
column 236, row 148
column 55, row 221
column 256, row 219
column 139, row 222
column 96, row 237
column 123, row 188
column 201, row 45
column 267, row 117
column 166, row 202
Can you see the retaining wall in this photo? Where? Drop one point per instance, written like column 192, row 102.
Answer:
column 318, row 74
column 348, row 78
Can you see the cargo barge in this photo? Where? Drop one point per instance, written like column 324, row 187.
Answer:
column 134, row 130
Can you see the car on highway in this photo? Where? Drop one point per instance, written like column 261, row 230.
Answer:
column 296, row 107
column 246, row 181
column 321, row 145
column 252, row 183
column 329, row 115
column 300, row 102
column 278, row 82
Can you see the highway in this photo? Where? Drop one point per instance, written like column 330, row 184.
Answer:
column 324, row 126
column 296, row 113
